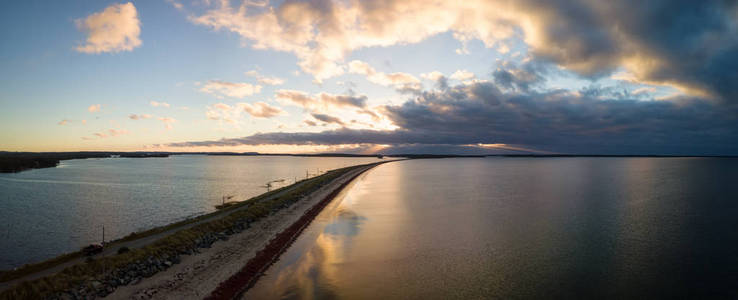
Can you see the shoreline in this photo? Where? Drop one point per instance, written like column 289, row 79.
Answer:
column 244, row 279
column 30, row 271
column 197, row 276
column 15, row 162
column 193, row 248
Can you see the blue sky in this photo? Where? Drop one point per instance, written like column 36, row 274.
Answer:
column 293, row 76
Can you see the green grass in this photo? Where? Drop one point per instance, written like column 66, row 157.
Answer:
column 78, row 274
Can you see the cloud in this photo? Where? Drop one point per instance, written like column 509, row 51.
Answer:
column 343, row 100
column 690, row 45
column 222, row 89
column 105, row 134
column 433, row 76
column 266, row 80
column 437, row 77
column 65, row 122
column 158, row 104
column 644, row 91
column 262, row 110
column 328, row 119
column 398, row 80
column 117, row 132
column 176, row 4
column 521, row 77
column 232, row 114
column 375, row 117
column 167, row 122
column 462, row 75
column 321, row 100
column 139, row 117
column 553, row 121
column 94, row 108
column 114, row 29
column 222, row 112
column 322, row 33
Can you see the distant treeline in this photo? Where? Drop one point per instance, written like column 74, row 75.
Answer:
column 292, row 154
column 11, row 162
column 18, row 161
column 341, row 155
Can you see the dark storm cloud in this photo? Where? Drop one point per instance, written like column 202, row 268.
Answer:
column 521, row 77
column 329, row 137
column 690, row 44
column 693, row 44
column 562, row 121
column 557, row 121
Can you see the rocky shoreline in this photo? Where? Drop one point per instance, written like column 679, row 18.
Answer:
column 134, row 273
column 105, row 275
column 245, row 278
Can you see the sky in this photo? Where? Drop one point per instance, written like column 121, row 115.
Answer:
column 385, row 76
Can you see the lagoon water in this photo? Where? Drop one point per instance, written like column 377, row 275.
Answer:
column 47, row 212
column 480, row 228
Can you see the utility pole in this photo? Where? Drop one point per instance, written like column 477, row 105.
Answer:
column 102, row 253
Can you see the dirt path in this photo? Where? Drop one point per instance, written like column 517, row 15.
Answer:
column 197, row 275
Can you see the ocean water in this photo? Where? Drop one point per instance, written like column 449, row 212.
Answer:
column 509, row 228
column 47, row 212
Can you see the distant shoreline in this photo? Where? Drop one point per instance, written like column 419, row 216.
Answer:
column 14, row 162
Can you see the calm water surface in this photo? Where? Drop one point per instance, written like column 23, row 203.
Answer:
column 522, row 228
column 46, row 212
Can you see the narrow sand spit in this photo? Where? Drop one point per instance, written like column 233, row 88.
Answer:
column 197, row 275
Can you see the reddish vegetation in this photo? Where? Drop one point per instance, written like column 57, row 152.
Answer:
column 255, row 267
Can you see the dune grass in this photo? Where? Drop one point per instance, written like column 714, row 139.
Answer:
column 171, row 245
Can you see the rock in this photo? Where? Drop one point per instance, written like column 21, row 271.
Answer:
column 95, row 284
column 65, row 296
column 168, row 263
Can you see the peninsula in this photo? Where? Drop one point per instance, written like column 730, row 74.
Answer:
column 214, row 254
